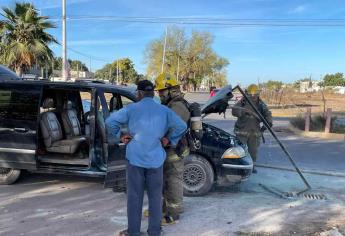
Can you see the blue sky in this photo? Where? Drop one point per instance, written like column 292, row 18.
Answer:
column 278, row 53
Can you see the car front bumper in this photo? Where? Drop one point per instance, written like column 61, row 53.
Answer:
column 235, row 170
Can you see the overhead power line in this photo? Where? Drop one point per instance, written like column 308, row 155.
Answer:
column 226, row 22
column 94, row 58
column 89, row 56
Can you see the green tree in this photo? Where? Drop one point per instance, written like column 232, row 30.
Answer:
column 127, row 72
column 272, row 84
column 77, row 65
column 174, row 55
column 190, row 59
column 23, row 37
column 106, row 72
column 297, row 83
column 336, row 79
column 74, row 64
column 218, row 78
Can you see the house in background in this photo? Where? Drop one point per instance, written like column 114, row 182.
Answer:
column 73, row 75
column 309, row 86
column 339, row 89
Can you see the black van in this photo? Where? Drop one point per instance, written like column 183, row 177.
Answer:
column 58, row 127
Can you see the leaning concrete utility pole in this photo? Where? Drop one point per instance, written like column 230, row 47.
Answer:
column 64, row 46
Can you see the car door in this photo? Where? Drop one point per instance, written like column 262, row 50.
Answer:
column 116, row 163
column 19, row 111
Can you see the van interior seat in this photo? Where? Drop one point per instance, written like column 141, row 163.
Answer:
column 52, row 133
column 70, row 121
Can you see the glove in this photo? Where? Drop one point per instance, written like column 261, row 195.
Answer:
column 263, row 128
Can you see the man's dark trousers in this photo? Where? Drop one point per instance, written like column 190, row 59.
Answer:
column 137, row 179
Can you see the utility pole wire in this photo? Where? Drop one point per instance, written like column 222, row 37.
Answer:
column 87, row 55
column 218, row 21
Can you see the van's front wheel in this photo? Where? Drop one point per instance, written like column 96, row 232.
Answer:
column 198, row 176
column 8, row 175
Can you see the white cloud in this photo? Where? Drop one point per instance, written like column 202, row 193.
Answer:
column 299, row 9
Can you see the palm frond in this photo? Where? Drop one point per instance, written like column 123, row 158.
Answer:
column 23, row 37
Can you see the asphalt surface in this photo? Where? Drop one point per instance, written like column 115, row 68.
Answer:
column 67, row 205
column 309, row 153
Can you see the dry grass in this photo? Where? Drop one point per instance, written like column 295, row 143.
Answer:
column 291, row 103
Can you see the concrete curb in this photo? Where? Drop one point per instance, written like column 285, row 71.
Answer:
column 316, row 134
column 314, row 172
column 283, row 115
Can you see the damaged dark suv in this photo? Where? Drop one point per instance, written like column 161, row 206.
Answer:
column 58, row 127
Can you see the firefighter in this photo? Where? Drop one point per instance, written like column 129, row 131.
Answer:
column 247, row 127
column 171, row 96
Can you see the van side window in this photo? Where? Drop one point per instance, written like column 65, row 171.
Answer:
column 86, row 101
column 20, row 103
column 125, row 101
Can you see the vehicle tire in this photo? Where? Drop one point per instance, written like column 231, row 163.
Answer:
column 198, row 176
column 8, row 175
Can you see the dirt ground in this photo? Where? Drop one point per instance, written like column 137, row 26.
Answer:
column 290, row 103
column 62, row 205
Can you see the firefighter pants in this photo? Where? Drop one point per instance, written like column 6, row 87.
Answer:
column 173, row 188
column 252, row 140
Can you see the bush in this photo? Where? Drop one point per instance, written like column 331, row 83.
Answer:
column 339, row 126
column 317, row 123
column 298, row 122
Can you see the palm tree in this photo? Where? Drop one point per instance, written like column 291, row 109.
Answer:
column 23, row 37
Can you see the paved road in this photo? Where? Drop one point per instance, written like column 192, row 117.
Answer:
column 309, row 153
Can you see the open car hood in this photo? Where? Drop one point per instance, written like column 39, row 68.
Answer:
column 219, row 102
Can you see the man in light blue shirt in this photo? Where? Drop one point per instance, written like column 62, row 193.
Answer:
column 151, row 126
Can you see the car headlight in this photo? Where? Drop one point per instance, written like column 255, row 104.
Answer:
column 234, row 152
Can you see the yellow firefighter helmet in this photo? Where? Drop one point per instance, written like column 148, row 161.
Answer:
column 165, row 81
column 252, row 89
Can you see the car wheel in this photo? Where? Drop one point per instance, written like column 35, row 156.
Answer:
column 8, row 176
column 198, row 176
